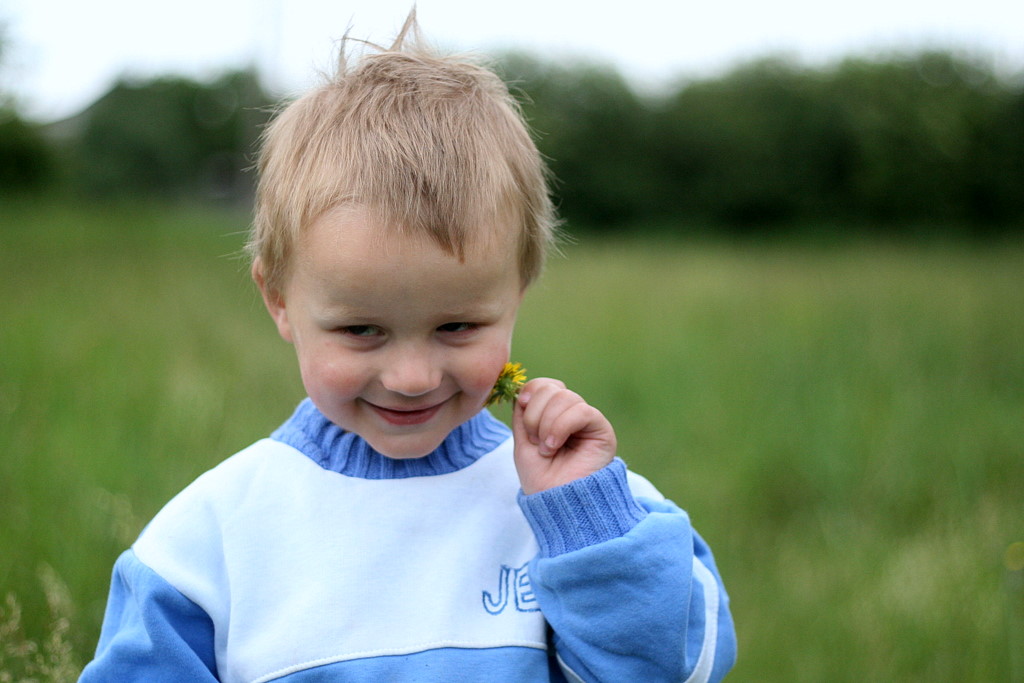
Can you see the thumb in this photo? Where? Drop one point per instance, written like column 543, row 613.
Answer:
column 519, row 435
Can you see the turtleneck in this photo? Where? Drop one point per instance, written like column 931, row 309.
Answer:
column 337, row 450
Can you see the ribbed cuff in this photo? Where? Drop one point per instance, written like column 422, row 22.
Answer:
column 584, row 512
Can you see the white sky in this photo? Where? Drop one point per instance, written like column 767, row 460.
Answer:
column 65, row 53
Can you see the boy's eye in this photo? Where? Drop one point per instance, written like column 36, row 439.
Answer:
column 456, row 327
column 361, row 330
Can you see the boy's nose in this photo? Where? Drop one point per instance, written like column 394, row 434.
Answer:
column 411, row 374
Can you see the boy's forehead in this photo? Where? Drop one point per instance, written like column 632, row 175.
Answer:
column 492, row 242
column 345, row 246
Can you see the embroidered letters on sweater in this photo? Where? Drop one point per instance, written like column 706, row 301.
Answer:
column 513, row 588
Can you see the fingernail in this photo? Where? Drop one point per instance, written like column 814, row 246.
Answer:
column 524, row 398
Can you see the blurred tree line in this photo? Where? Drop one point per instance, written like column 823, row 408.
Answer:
column 165, row 137
column 168, row 137
column 897, row 144
column 23, row 152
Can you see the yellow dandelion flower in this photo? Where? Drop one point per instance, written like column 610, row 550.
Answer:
column 511, row 379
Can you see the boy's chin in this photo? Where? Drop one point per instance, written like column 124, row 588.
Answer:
column 404, row 449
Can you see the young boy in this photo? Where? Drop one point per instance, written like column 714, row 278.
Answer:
column 391, row 529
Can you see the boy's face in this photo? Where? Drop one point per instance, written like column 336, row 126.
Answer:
column 397, row 341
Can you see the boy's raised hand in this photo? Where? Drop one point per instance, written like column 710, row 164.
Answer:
column 559, row 437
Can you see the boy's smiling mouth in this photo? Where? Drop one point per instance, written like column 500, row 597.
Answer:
column 405, row 416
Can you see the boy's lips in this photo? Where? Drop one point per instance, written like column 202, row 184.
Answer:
column 403, row 417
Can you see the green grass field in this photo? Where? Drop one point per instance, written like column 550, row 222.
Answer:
column 845, row 424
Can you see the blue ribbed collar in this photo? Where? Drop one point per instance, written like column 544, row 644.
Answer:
column 334, row 449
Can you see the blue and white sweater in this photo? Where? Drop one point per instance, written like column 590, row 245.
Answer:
column 308, row 557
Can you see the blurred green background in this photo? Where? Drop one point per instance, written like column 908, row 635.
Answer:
column 797, row 292
column 910, row 144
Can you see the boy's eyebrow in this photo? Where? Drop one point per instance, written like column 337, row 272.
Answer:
column 478, row 309
column 337, row 309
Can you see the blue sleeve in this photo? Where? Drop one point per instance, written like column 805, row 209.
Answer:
column 151, row 632
column 630, row 590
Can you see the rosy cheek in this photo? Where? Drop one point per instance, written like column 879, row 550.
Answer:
column 488, row 368
column 344, row 380
column 326, row 375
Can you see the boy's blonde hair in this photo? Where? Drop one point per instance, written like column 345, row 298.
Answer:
column 431, row 145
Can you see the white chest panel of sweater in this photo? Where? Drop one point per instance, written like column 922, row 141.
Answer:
column 299, row 566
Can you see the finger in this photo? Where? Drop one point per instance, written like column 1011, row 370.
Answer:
column 529, row 406
column 533, row 400
column 538, row 385
column 576, row 421
column 555, row 409
column 543, row 409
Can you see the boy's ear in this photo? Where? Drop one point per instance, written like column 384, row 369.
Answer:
column 273, row 299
